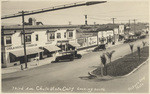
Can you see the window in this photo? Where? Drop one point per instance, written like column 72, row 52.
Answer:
column 27, row 38
column 65, row 35
column 58, row 35
column 70, row 34
column 51, row 36
column 8, row 40
column 37, row 37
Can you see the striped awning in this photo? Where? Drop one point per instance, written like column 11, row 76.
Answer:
column 52, row 48
column 30, row 51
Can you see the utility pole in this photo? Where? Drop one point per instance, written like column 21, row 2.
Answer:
column 24, row 40
column 129, row 23
column 69, row 22
column 85, row 19
column 134, row 24
column 129, row 27
column 113, row 19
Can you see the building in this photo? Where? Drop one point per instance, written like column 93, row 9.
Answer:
column 41, row 42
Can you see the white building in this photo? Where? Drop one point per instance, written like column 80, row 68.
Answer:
column 41, row 42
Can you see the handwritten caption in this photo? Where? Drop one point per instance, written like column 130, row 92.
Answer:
column 57, row 89
column 137, row 85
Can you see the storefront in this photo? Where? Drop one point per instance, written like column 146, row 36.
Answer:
column 18, row 56
column 49, row 50
column 73, row 46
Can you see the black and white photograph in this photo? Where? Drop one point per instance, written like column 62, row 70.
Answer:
column 75, row 46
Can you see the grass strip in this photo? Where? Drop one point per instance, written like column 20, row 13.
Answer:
column 124, row 65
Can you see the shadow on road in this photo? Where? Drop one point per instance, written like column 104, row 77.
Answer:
column 12, row 78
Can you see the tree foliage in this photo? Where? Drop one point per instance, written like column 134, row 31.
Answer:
column 131, row 47
column 109, row 54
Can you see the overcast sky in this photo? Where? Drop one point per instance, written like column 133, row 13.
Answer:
column 123, row 10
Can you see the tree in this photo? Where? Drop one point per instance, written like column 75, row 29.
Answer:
column 103, row 60
column 139, row 51
column 109, row 55
column 131, row 47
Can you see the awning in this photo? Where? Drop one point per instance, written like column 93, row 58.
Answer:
column 20, row 53
column 74, row 44
column 52, row 48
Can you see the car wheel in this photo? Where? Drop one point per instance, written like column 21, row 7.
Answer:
column 71, row 59
column 56, row 59
column 79, row 56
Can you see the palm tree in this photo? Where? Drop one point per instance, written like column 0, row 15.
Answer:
column 131, row 47
column 109, row 55
column 139, row 51
column 103, row 60
column 144, row 43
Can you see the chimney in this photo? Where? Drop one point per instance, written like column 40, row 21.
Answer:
column 32, row 21
column 85, row 19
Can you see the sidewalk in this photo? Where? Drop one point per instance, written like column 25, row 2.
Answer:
column 44, row 61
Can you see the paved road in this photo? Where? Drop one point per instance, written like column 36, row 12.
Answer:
column 65, row 76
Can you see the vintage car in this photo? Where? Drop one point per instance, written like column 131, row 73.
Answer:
column 100, row 47
column 68, row 56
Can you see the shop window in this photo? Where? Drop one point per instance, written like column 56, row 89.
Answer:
column 65, row 35
column 37, row 37
column 8, row 40
column 58, row 35
column 70, row 34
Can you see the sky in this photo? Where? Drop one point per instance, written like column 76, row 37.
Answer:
column 122, row 10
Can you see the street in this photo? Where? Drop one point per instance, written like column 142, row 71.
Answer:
column 65, row 76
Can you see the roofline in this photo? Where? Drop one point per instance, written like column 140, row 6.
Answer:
column 28, row 27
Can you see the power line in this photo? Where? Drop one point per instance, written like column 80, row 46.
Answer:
column 53, row 8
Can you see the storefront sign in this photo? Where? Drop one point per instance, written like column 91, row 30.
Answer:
column 17, row 47
column 92, row 41
column 110, row 33
column 63, row 41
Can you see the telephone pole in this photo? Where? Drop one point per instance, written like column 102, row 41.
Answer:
column 113, row 19
column 134, row 24
column 129, row 27
column 129, row 23
column 24, row 40
column 69, row 22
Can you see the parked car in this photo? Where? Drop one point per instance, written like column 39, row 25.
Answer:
column 68, row 56
column 100, row 47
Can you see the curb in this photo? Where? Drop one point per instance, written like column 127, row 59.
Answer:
column 84, row 52
column 129, row 72
column 135, row 69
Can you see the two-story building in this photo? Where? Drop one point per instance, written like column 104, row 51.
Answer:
column 41, row 41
